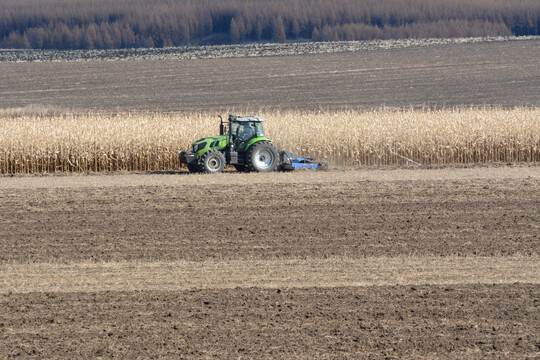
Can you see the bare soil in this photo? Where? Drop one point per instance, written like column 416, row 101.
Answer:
column 478, row 211
column 480, row 74
column 470, row 321
column 329, row 272
column 370, row 219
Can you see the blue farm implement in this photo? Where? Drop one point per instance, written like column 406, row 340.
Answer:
column 290, row 162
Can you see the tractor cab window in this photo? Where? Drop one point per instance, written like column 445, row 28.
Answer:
column 234, row 128
column 246, row 131
column 259, row 129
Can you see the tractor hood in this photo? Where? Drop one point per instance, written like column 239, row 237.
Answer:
column 210, row 138
column 218, row 142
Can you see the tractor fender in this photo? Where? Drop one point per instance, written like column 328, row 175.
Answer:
column 255, row 140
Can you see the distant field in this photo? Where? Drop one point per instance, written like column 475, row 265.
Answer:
column 488, row 73
column 239, row 50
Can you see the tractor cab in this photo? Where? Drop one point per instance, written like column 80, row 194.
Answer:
column 242, row 130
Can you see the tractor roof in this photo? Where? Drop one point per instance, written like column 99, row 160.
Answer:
column 248, row 118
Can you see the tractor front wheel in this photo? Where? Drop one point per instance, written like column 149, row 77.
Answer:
column 212, row 161
column 262, row 157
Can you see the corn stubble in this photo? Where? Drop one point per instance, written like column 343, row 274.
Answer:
column 33, row 143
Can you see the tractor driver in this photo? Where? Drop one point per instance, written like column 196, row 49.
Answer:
column 247, row 132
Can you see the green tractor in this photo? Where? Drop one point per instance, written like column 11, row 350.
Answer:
column 241, row 142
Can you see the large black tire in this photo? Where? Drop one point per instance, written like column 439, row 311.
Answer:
column 193, row 168
column 212, row 161
column 262, row 157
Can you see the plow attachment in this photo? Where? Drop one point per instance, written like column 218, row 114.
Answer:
column 290, row 162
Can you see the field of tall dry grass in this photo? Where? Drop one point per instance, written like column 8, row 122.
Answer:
column 55, row 142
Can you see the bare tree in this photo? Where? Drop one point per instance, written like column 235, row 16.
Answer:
column 278, row 30
column 110, row 23
column 234, row 31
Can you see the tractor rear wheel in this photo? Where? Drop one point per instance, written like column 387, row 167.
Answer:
column 262, row 157
column 212, row 161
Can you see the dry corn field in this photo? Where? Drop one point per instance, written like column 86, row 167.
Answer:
column 151, row 142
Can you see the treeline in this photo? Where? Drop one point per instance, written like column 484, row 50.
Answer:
column 102, row 24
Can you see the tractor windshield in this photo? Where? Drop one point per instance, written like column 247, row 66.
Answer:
column 248, row 130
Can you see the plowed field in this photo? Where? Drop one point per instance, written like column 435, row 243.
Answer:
column 446, row 75
column 338, row 264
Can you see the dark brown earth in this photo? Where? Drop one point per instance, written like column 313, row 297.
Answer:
column 475, row 321
column 498, row 73
column 375, row 213
column 196, row 217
